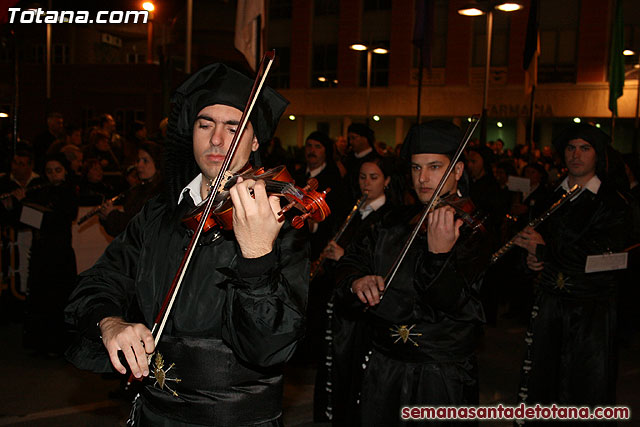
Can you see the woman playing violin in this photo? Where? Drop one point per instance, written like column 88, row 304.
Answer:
column 425, row 328
column 241, row 309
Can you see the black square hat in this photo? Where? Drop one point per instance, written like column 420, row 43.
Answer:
column 435, row 136
column 597, row 138
column 219, row 84
column 213, row 84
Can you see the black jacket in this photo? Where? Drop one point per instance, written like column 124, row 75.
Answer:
column 438, row 293
column 234, row 322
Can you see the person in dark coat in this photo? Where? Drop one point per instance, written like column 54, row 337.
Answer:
column 318, row 153
column 361, row 140
column 240, row 311
column 426, row 328
column 52, row 264
column 320, row 166
column 148, row 168
column 347, row 337
column 571, row 341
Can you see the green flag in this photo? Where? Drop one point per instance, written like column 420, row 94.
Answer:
column 616, row 60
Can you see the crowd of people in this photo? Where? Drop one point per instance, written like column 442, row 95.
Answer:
column 378, row 345
column 51, row 178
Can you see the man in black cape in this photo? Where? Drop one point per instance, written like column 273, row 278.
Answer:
column 241, row 308
column 571, row 347
column 425, row 329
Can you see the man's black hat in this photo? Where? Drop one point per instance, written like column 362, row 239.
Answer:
column 363, row 130
column 214, row 84
column 219, row 84
column 435, row 137
column 594, row 136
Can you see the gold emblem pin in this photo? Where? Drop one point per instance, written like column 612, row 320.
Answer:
column 403, row 333
column 560, row 281
column 160, row 374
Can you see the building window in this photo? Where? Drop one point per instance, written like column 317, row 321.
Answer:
column 136, row 58
column 499, row 40
column 280, row 9
column 631, row 33
column 60, row 54
column 280, row 71
column 379, row 68
column 439, row 41
column 326, row 7
column 324, row 65
column 376, row 5
column 37, row 54
column 6, row 51
column 558, row 41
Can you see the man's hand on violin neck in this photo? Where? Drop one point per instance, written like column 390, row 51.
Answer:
column 255, row 217
column 443, row 230
column 133, row 339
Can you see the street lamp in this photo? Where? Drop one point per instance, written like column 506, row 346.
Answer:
column 636, row 67
column 149, row 7
column 486, row 8
column 370, row 51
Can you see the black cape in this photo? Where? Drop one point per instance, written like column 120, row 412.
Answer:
column 234, row 322
column 426, row 328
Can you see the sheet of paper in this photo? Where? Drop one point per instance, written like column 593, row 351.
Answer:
column 606, row 262
column 516, row 183
column 31, row 216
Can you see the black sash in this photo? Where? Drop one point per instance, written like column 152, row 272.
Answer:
column 215, row 388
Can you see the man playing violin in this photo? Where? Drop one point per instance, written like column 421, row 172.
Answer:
column 424, row 330
column 240, row 311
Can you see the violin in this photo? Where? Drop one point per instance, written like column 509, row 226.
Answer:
column 433, row 202
column 278, row 182
column 465, row 210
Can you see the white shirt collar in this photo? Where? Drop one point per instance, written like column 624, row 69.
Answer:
column 194, row 190
column 363, row 153
column 31, row 178
column 592, row 185
column 373, row 205
column 315, row 172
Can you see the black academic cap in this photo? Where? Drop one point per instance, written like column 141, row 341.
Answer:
column 363, row 130
column 436, row 137
column 594, row 136
column 323, row 139
column 219, row 84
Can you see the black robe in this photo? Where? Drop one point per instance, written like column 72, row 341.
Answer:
column 52, row 268
column 426, row 328
column 134, row 199
column 571, row 343
column 234, row 322
column 346, row 340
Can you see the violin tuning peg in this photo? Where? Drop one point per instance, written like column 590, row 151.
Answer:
column 287, row 208
column 298, row 221
column 312, row 185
